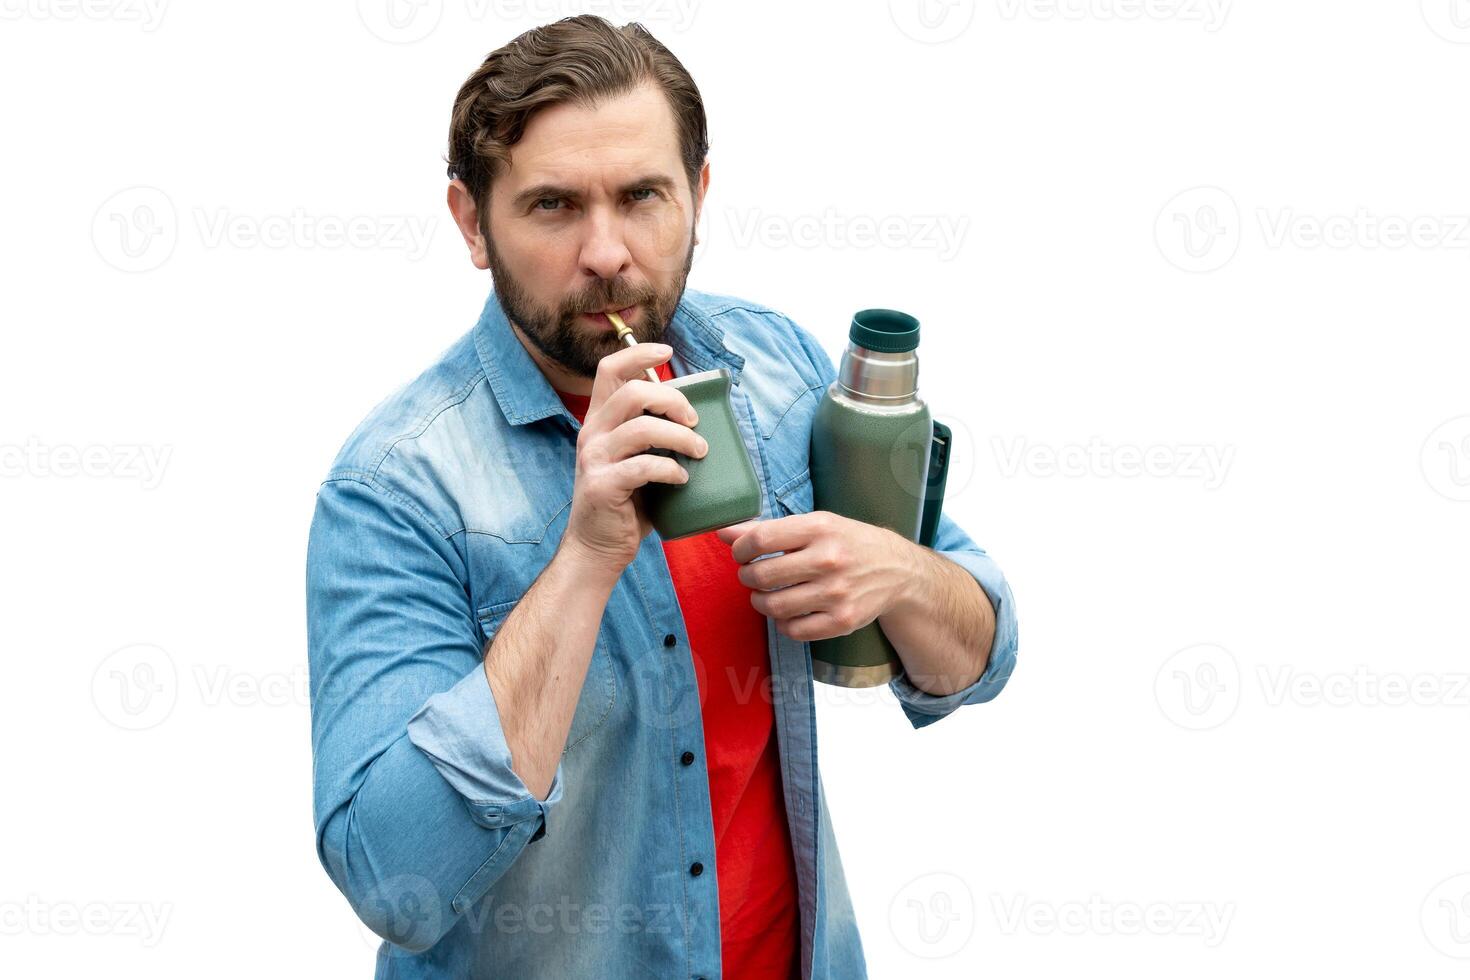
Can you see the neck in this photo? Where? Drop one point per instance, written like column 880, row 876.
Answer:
column 559, row 377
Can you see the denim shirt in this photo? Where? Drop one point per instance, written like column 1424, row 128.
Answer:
column 436, row 517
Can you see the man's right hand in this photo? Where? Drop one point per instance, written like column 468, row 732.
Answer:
column 622, row 423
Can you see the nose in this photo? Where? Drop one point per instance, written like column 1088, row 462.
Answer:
column 605, row 254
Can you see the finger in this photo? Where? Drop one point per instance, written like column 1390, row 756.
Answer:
column 799, row 600
column 622, row 366
column 635, row 398
column 816, row 626
column 781, row 534
column 734, row 531
column 647, row 432
column 635, row 471
column 781, row 572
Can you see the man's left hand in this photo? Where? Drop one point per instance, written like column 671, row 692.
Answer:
column 835, row 576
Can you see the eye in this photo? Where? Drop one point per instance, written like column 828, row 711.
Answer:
column 552, row 200
column 645, row 190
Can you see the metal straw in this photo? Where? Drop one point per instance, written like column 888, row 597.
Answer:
column 626, row 333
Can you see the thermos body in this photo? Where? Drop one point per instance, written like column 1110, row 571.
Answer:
column 871, row 444
column 889, row 446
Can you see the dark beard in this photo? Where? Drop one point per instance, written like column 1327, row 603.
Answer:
column 559, row 337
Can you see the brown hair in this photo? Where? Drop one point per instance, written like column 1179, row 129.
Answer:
column 579, row 60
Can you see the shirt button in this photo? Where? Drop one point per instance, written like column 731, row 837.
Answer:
column 669, row 639
column 696, row 869
column 687, row 758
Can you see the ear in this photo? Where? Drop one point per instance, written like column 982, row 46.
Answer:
column 466, row 215
column 699, row 193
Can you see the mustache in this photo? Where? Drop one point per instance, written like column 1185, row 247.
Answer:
column 605, row 299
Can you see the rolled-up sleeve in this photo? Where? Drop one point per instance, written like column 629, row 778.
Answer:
column 416, row 807
column 923, row 708
column 920, row 707
column 460, row 732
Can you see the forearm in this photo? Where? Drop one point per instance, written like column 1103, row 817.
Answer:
column 538, row 661
column 941, row 623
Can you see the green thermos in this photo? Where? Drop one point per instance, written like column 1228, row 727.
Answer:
column 877, row 456
column 722, row 488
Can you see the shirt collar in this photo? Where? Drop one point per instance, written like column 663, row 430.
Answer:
column 524, row 394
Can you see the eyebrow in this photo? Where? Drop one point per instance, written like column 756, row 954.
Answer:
column 540, row 191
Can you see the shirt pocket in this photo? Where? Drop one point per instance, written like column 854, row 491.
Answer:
column 795, row 495
column 599, row 689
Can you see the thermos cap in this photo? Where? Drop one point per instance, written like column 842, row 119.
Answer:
column 884, row 331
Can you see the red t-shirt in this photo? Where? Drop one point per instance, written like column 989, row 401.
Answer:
column 760, row 935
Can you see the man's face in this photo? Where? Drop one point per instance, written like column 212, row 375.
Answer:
column 593, row 214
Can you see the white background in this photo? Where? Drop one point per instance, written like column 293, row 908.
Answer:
column 1140, row 236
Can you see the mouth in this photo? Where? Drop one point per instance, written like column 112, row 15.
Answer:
column 599, row 317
